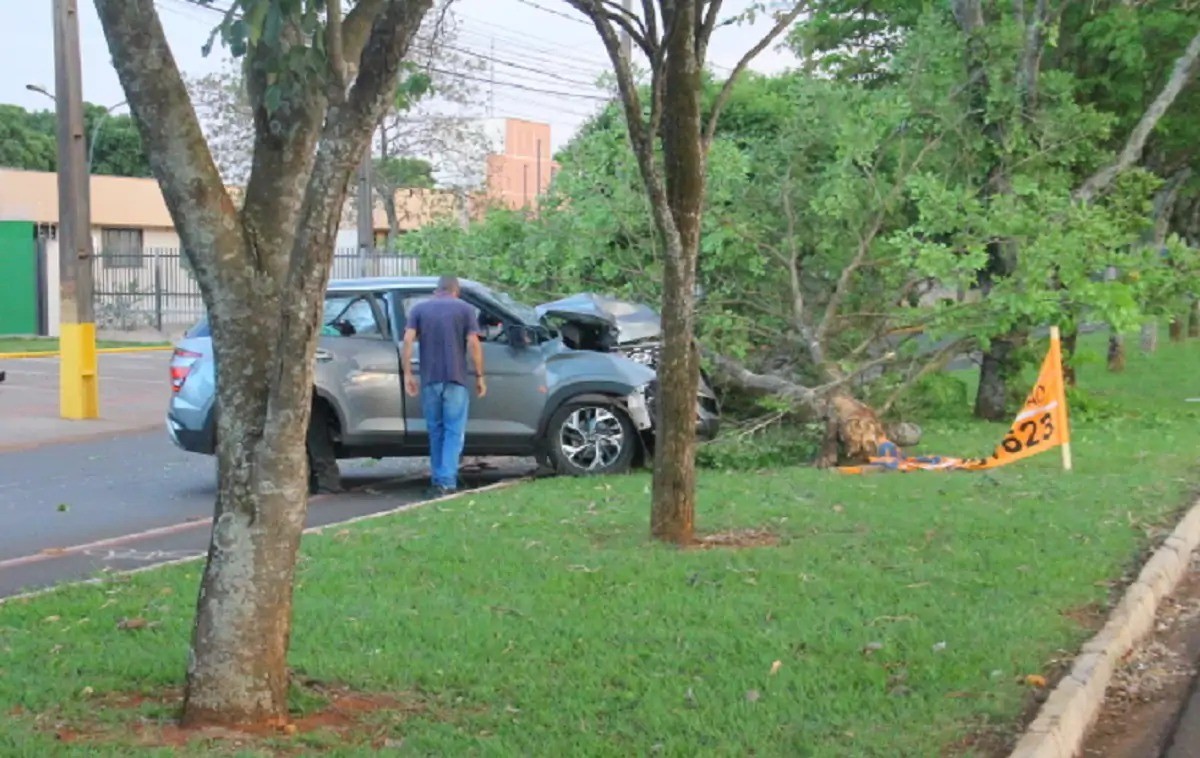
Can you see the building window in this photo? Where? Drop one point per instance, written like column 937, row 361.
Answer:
column 47, row 231
column 121, row 248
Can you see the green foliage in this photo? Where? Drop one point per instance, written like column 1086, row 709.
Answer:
column 28, row 141
column 937, row 397
column 777, row 446
column 404, row 173
column 855, row 210
column 284, row 45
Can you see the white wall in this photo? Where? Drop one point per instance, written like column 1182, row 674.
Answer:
column 53, row 301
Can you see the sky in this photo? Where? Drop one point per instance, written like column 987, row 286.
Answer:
column 563, row 51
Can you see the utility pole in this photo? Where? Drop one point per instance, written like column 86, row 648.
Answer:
column 366, row 213
column 78, row 383
column 626, row 40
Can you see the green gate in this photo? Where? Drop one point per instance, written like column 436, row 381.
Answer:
column 18, row 278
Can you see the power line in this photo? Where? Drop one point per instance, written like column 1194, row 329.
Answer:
column 553, row 12
column 514, row 85
column 501, row 61
column 510, row 64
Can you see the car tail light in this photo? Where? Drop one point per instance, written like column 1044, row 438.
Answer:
column 181, row 365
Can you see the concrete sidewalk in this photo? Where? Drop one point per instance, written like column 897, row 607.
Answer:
column 134, row 391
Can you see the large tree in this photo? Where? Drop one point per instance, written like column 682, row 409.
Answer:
column 674, row 36
column 318, row 80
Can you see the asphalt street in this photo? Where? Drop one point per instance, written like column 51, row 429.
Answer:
column 75, row 510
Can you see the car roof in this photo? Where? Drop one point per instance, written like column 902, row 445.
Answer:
column 372, row 284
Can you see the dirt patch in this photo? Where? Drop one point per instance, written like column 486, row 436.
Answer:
column 1091, row 616
column 343, row 716
column 737, row 538
column 1151, row 684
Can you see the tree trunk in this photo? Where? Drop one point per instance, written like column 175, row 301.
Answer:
column 1175, row 329
column 991, row 403
column 673, row 506
column 1070, row 341
column 1193, row 329
column 237, row 669
column 1148, row 341
column 853, row 432
column 1116, row 352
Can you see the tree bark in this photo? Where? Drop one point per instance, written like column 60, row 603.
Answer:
column 1176, row 328
column 1070, row 341
column 674, row 497
column 262, row 273
column 1116, row 352
column 1193, row 329
column 237, row 668
column 999, row 364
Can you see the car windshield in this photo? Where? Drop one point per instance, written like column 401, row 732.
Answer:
column 520, row 310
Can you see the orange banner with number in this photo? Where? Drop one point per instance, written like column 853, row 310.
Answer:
column 1041, row 425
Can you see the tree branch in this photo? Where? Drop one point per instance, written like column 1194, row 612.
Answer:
column 337, row 54
column 356, row 28
column 935, row 363
column 191, row 184
column 637, row 30
column 640, row 137
column 785, row 389
column 1031, row 55
column 1131, row 153
column 346, row 134
column 708, row 24
column 782, row 22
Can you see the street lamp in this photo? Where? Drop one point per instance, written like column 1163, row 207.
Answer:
column 95, row 129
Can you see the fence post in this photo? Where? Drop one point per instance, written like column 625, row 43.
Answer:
column 158, row 291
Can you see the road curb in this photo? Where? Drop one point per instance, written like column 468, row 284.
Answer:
column 318, row 530
column 1064, row 719
column 99, row 350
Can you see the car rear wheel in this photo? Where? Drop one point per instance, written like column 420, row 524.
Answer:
column 586, row 439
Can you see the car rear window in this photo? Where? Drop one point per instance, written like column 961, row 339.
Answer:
column 199, row 330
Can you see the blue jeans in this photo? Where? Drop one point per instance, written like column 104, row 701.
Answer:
column 445, row 407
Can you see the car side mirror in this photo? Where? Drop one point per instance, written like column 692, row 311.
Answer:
column 518, row 336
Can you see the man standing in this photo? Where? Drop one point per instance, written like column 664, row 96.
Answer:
column 446, row 328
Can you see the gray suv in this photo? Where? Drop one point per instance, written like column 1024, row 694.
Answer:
column 571, row 383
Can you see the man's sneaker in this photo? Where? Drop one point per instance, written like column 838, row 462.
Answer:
column 437, row 491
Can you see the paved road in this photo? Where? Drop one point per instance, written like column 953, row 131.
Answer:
column 134, row 390
column 69, row 511
column 1185, row 742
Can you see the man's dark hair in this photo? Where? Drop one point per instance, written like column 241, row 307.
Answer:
column 448, row 284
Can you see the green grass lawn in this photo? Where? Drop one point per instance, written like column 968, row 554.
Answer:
column 904, row 610
column 50, row 344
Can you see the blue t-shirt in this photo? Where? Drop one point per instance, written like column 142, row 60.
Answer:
column 442, row 324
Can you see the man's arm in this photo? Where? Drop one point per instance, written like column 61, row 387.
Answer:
column 476, row 351
column 410, row 381
column 410, row 336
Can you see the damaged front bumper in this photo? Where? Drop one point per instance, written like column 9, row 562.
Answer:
column 643, row 411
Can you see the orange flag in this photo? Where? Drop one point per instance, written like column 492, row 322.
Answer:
column 1042, row 422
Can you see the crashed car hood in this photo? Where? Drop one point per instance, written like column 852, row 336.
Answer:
column 634, row 322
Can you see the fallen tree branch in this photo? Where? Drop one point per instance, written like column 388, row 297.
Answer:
column 785, row 389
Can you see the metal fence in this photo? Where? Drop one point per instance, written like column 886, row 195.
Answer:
column 155, row 289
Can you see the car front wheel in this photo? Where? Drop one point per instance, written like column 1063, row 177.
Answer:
column 591, row 438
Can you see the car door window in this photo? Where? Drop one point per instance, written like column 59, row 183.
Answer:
column 353, row 315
